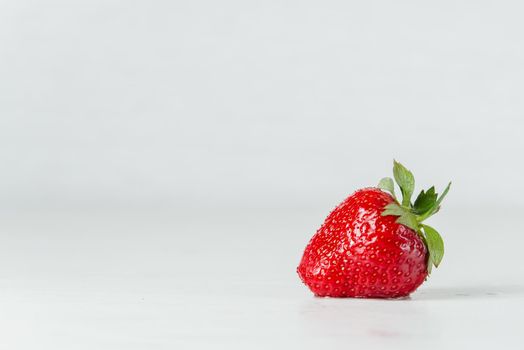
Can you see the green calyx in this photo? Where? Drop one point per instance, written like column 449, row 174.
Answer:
column 412, row 214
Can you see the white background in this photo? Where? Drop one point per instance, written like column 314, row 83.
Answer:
column 164, row 163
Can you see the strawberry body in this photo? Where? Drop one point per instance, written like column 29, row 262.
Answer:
column 357, row 252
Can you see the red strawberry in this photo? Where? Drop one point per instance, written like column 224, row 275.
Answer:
column 372, row 246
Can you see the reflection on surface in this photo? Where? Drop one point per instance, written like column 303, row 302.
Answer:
column 371, row 318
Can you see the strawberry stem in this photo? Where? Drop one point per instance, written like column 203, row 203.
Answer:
column 411, row 214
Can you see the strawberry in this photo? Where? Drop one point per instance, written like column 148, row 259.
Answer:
column 374, row 246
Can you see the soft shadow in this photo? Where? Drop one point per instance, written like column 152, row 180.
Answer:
column 469, row 292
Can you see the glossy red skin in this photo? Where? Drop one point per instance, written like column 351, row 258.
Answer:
column 359, row 253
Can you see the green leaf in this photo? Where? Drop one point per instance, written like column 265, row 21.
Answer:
column 436, row 206
column 435, row 245
column 405, row 217
column 405, row 181
column 425, row 201
column 387, row 184
column 409, row 220
column 439, row 200
column 430, row 265
column 393, row 209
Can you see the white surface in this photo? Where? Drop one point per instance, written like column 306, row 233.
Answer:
column 226, row 280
